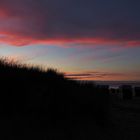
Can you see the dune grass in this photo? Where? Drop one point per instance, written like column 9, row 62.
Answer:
column 33, row 99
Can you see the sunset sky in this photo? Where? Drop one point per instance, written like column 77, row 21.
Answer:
column 85, row 39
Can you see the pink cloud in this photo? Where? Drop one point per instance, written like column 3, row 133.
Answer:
column 20, row 40
column 25, row 22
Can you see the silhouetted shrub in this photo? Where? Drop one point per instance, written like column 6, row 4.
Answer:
column 126, row 91
column 137, row 91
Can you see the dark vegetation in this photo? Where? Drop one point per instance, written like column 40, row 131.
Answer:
column 44, row 105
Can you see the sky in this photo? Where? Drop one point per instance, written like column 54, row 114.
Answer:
column 86, row 40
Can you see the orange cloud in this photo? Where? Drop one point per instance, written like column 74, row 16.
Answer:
column 98, row 75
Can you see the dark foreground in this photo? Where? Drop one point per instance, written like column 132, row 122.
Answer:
column 31, row 126
column 46, row 106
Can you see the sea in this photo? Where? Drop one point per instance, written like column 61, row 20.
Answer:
column 116, row 84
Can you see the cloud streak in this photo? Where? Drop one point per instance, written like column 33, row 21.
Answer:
column 93, row 75
column 25, row 22
column 98, row 75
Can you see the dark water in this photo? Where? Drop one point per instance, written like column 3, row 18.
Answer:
column 116, row 84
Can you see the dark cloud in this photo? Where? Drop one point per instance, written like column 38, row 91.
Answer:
column 91, row 21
